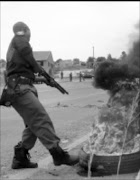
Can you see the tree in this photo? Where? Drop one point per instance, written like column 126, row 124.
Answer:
column 109, row 57
column 100, row 59
column 58, row 60
column 76, row 61
column 58, row 65
column 123, row 56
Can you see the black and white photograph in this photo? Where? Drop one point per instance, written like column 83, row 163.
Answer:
column 70, row 90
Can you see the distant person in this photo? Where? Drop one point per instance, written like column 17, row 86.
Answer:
column 70, row 76
column 80, row 76
column 21, row 69
column 83, row 77
column 61, row 74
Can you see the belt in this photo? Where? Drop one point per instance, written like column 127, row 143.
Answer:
column 20, row 79
column 24, row 80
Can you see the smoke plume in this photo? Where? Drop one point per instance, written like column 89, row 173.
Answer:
column 133, row 58
column 108, row 73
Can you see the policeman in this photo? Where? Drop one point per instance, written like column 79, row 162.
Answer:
column 80, row 76
column 70, row 76
column 21, row 67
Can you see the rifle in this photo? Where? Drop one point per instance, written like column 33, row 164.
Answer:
column 51, row 82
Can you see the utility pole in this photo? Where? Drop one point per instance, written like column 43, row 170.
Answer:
column 93, row 52
column 93, row 55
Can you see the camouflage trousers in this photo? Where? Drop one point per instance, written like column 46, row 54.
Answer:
column 36, row 119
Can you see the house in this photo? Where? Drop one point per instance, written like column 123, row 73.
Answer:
column 76, row 62
column 59, row 64
column 45, row 59
column 90, row 62
column 62, row 64
column 67, row 63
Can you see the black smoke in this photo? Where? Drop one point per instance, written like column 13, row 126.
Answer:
column 133, row 58
column 108, row 73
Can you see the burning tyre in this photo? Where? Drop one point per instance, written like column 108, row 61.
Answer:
column 113, row 146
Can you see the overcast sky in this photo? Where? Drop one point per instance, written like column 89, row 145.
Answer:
column 71, row 29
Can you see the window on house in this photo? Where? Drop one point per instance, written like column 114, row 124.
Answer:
column 41, row 63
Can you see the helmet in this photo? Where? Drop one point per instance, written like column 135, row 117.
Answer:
column 20, row 28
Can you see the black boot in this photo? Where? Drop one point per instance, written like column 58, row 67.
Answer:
column 21, row 158
column 62, row 157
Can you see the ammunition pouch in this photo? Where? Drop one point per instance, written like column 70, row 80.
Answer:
column 9, row 93
column 7, row 97
column 12, row 89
